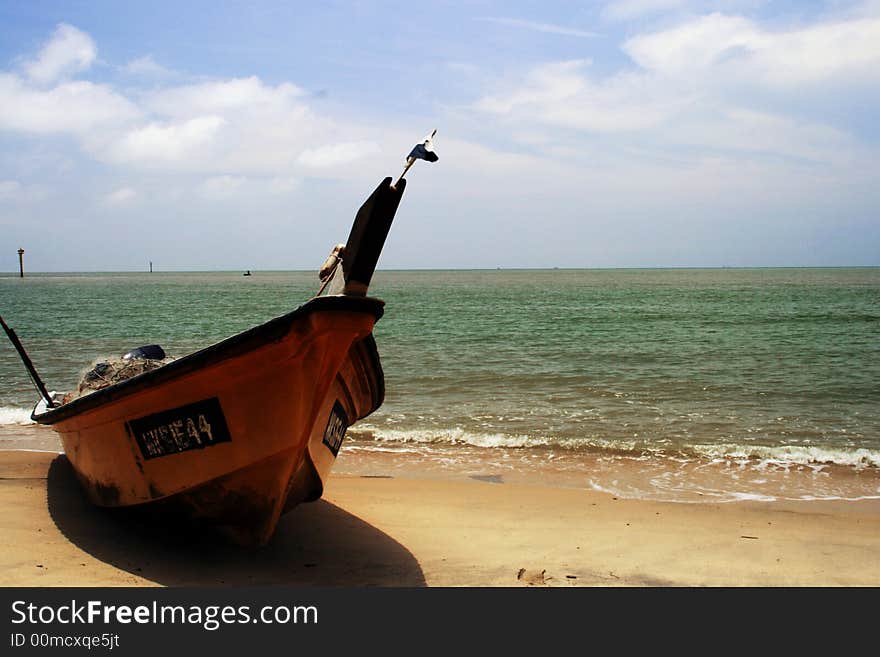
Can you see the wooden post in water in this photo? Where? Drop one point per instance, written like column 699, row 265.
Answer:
column 21, row 263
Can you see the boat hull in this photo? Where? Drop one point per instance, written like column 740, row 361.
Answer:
column 357, row 390
column 227, row 435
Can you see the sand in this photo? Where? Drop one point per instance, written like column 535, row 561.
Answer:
column 411, row 532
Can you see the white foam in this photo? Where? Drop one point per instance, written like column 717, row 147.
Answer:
column 815, row 498
column 740, row 496
column 454, row 436
column 697, row 495
column 12, row 415
column 787, row 455
column 758, row 457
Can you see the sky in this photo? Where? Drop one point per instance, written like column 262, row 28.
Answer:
column 624, row 133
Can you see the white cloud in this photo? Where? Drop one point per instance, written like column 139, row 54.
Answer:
column 237, row 94
column 564, row 94
column 696, row 88
column 73, row 107
column 733, row 47
column 535, row 26
column 257, row 129
column 238, row 126
column 69, row 51
column 544, row 85
column 147, row 67
column 331, row 155
column 167, row 142
column 696, row 45
column 823, row 53
column 121, row 196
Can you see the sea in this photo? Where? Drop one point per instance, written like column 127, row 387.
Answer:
column 684, row 385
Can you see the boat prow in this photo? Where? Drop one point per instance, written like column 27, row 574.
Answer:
column 241, row 431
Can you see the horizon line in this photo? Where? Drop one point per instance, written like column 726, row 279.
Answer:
column 16, row 274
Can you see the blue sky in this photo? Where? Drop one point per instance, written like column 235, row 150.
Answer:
column 625, row 133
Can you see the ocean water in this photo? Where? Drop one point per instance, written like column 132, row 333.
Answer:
column 681, row 384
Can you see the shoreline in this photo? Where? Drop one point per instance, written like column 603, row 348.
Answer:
column 373, row 530
column 647, row 477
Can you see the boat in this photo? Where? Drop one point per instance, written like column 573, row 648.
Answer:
column 238, row 433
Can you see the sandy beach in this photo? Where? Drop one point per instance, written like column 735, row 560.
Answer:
column 384, row 531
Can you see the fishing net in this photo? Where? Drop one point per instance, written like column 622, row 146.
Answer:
column 106, row 372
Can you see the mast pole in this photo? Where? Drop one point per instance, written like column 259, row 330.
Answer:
column 409, row 162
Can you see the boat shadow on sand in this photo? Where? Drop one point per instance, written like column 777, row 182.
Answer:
column 315, row 544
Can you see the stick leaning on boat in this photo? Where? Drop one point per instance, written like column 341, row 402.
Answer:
column 38, row 382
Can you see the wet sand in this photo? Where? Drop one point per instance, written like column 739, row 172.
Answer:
column 377, row 531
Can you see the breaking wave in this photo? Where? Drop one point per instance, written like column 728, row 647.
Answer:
column 456, row 436
column 791, row 454
column 12, row 415
column 779, row 456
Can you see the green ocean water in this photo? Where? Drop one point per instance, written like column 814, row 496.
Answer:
column 733, row 366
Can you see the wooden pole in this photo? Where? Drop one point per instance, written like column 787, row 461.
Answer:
column 21, row 263
column 409, row 162
column 38, row 382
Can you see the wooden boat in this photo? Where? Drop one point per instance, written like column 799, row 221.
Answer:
column 244, row 430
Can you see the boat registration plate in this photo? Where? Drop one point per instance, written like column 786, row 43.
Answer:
column 336, row 426
column 194, row 426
